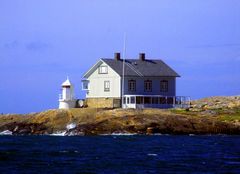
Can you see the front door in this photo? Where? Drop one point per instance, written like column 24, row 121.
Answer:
column 130, row 102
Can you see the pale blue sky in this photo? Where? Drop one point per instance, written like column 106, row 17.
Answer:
column 43, row 41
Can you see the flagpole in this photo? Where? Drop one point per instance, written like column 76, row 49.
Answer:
column 123, row 72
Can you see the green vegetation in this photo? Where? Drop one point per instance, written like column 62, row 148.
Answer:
column 230, row 115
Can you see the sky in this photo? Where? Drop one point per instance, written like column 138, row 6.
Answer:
column 42, row 42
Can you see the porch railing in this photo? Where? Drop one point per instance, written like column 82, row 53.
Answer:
column 155, row 101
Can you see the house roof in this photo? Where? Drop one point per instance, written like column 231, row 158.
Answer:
column 136, row 67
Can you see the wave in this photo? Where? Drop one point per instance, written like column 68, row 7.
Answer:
column 59, row 133
column 6, row 132
column 131, row 134
column 152, row 154
column 158, row 134
column 71, row 126
column 120, row 134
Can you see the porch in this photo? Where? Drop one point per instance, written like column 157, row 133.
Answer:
column 155, row 101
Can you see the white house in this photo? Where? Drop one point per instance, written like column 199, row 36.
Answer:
column 132, row 83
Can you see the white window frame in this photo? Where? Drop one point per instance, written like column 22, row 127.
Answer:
column 85, row 85
column 103, row 69
column 106, row 86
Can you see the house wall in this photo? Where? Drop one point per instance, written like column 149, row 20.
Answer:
column 155, row 86
column 103, row 102
column 96, row 84
column 98, row 98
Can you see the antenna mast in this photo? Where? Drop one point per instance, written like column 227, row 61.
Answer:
column 123, row 72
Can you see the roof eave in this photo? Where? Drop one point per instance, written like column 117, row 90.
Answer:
column 150, row 76
column 88, row 73
column 111, row 67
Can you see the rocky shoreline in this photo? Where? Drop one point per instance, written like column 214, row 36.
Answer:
column 215, row 115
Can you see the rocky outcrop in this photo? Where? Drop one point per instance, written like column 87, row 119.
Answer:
column 25, row 128
column 214, row 103
column 215, row 115
column 165, row 125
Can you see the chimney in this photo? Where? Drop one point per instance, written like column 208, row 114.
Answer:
column 117, row 56
column 142, row 56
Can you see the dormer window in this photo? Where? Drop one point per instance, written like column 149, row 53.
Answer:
column 164, row 86
column 103, row 70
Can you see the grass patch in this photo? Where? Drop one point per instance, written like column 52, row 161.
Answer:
column 184, row 112
column 230, row 117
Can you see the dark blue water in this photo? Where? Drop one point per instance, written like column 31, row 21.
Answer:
column 120, row 154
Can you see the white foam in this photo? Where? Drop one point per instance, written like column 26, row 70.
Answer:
column 125, row 134
column 68, row 151
column 75, row 134
column 59, row 133
column 120, row 134
column 63, row 151
column 152, row 154
column 158, row 134
column 71, row 126
column 6, row 132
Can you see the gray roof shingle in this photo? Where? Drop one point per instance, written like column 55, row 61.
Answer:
column 136, row 67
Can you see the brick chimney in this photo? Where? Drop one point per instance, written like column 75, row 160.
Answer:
column 117, row 56
column 142, row 56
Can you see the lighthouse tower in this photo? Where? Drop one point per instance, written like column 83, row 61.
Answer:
column 66, row 99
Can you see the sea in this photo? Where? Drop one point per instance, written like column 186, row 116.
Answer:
column 120, row 154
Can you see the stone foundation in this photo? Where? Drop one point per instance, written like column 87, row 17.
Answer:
column 103, row 102
column 67, row 104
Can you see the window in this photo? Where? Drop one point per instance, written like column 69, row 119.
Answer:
column 163, row 100
column 169, row 100
column 106, row 86
column 139, row 100
column 131, row 85
column 164, row 86
column 147, row 100
column 127, row 100
column 124, row 100
column 155, row 100
column 85, row 84
column 103, row 70
column 147, row 85
column 132, row 100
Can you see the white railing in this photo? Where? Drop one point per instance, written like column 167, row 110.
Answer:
column 155, row 101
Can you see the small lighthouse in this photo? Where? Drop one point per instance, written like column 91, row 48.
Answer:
column 66, row 99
